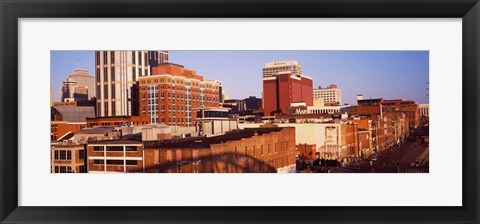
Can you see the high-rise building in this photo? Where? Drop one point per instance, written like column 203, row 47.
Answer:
column 116, row 74
column 272, row 69
column 282, row 88
column 71, row 91
column 172, row 92
column 330, row 95
column 84, row 78
column 157, row 57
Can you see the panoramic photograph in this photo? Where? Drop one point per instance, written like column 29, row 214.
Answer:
column 239, row 111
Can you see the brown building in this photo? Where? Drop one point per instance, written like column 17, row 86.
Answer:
column 115, row 156
column 169, row 95
column 117, row 121
column 68, row 158
column 252, row 150
column 408, row 107
column 364, row 143
column 306, row 151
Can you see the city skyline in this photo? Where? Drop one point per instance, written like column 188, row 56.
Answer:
column 395, row 74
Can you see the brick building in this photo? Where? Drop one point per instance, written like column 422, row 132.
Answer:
column 171, row 93
column 256, row 150
column 68, row 158
column 115, row 156
column 280, row 91
column 408, row 107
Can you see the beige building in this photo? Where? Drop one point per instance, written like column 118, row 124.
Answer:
column 68, row 158
column 330, row 95
column 272, row 69
column 116, row 75
column 424, row 110
column 84, row 78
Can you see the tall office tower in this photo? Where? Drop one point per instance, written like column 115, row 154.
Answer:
column 282, row 89
column 171, row 94
column 330, row 95
column 84, row 78
column 116, row 76
column 273, row 68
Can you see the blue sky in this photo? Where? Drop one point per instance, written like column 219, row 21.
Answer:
column 387, row 74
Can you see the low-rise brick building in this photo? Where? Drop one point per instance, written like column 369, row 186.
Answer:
column 254, row 150
column 115, row 156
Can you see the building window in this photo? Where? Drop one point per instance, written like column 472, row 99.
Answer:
column 130, row 148
column 81, row 154
column 112, row 73
column 82, row 169
column 131, row 162
column 115, row 162
column 98, row 162
column 115, row 148
column 105, row 57
column 97, row 57
column 97, row 148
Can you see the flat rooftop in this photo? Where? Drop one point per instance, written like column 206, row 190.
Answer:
column 205, row 142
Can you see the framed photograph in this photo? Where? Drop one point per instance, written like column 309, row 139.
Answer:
column 249, row 112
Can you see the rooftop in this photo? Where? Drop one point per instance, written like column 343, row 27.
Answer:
column 281, row 63
column 114, row 142
column 95, row 130
column 205, row 142
column 74, row 114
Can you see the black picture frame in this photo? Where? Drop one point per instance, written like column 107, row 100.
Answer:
column 11, row 11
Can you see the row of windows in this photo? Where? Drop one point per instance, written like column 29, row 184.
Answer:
column 180, row 88
column 63, row 155
column 180, row 82
column 115, row 148
column 115, row 162
column 180, row 97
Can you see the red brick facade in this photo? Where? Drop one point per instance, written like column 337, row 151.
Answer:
column 282, row 90
column 258, row 154
column 172, row 92
column 115, row 156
